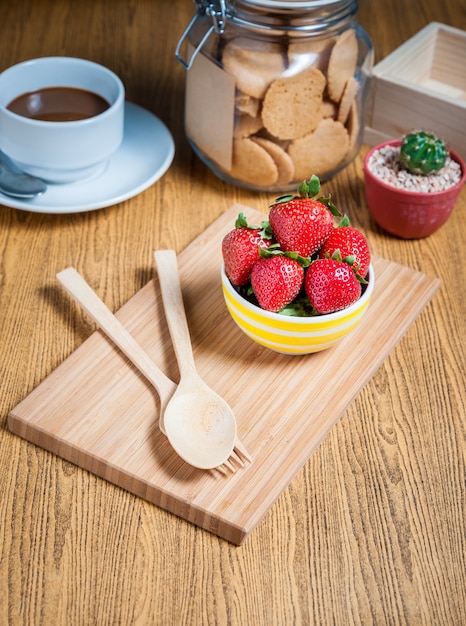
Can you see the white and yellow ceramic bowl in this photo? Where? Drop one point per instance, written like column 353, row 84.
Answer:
column 295, row 335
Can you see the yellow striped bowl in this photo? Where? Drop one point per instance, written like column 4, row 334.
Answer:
column 294, row 335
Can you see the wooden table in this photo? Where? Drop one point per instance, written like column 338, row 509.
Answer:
column 372, row 529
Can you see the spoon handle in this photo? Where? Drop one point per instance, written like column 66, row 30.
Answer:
column 167, row 269
column 77, row 287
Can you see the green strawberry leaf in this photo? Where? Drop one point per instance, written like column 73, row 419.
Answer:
column 350, row 259
column 305, row 261
column 282, row 199
column 330, row 206
column 241, row 221
column 344, row 221
column 275, row 250
column 309, row 188
column 265, row 230
column 300, row 307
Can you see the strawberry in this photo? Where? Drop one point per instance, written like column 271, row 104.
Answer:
column 276, row 280
column 240, row 249
column 331, row 285
column 351, row 243
column 301, row 223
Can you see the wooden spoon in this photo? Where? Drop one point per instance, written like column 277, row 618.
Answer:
column 196, row 417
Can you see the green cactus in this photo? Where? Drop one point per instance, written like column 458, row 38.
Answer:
column 422, row 153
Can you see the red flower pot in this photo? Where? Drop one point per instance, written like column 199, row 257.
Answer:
column 409, row 214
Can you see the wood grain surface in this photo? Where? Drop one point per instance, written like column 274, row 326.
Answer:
column 372, row 530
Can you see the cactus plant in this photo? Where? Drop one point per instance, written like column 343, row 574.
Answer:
column 422, row 152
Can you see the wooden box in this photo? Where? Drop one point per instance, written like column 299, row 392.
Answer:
column 421, row 85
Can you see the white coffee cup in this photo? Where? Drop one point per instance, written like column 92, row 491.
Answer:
column 61, row 151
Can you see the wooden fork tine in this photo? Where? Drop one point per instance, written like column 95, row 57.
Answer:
column 239, row 456
column 241, row 450
column 236, row 458
column 233, row 463
column 228, row 465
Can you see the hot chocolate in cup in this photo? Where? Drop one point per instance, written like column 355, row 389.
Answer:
column 61, row 118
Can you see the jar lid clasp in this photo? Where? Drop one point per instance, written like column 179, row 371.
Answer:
column 217, row 12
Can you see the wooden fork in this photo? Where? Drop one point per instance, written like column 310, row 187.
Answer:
column 175, row 314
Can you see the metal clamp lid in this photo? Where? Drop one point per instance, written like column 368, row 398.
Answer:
column 217, row 11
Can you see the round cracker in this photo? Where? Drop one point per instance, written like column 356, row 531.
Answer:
column 329, row 109
column 306, row 52
column 254, row 64
column 342, row 64
column 320, row 152
column 347, row 99
column 353, row 127
column 282, row 160
column 247, row 104
column 252, row 164
column 291, row 106
column 245, row 125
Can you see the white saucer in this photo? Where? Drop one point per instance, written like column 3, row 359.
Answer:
column 144, row 156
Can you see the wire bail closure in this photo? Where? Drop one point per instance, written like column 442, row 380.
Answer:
column 217, row 12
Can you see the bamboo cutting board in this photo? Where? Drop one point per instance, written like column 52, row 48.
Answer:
column 98, row 412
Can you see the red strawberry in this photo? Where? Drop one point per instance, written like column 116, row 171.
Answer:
column 300, row 223
column 351, row 243
column 276, row 281
column 331, row 285
column 240, row 249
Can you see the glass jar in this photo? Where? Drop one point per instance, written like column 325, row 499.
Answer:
column 275, row 90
